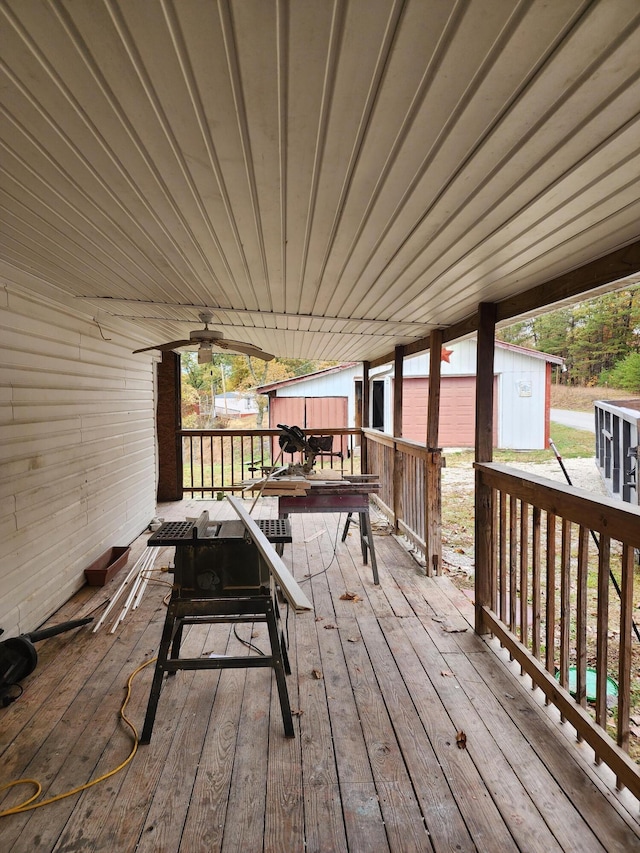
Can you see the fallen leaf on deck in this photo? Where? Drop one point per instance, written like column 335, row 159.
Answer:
column 327, row 627
column 461, row 740
column 298, row 713
column 349, row 596
column 317, row 674
column 353, row 639
column 446, row 673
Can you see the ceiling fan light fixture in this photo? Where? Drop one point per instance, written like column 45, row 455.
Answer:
column 204, row 355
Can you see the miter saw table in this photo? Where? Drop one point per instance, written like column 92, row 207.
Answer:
column 223, row 573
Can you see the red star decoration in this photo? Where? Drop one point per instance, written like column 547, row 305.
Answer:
column 446, row 354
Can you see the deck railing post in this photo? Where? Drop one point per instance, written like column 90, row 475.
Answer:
column 433, row 466
column 484, row 453
column 433, row 512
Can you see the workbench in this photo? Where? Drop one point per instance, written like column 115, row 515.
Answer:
column 348, row 495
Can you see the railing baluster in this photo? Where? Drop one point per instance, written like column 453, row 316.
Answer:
column 243, row 472
column 581, row 617
column 524, row 573
column 495, row 545
column 624, row 654
column 602, row 630
column 535, row 583
column 565, row 602
column 192, row 468
column 502, row 540
column 201, row 467
column 223, row 481
column 550, row 617
column 513, row 561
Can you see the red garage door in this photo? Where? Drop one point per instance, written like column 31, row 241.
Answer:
column 316, row 413
column 308, row 412
column 457, row 411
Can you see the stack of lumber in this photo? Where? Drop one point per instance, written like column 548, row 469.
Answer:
column 292, row 486
column 325, row 474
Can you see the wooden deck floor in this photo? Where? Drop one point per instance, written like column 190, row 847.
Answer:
column 381, row 685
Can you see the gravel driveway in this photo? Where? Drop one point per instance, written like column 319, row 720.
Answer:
column 458, row 483
column 583, row 474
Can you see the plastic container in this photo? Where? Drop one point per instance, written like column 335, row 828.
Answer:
column 107, row 566
column 612, row 686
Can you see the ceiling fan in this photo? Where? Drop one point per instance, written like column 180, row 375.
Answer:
column 207, row 339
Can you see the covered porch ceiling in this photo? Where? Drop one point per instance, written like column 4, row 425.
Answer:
column 332, row 179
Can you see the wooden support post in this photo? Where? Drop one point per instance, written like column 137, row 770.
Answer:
column 398, row 460
column 168, row 424
column 364, row 461
column 484, row 453
column 433, row 476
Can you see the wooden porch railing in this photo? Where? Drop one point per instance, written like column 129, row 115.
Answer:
column 410, row 491
column 217, row 461
column 545, row 554
column 536, row 563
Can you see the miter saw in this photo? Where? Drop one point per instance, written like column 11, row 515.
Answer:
column 293, row 440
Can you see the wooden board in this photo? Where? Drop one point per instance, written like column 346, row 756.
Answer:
column 294, row 595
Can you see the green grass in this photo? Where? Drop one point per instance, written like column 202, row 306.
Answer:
column 571, row 444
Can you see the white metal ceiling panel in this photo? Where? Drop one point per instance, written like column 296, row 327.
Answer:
column 332, row 178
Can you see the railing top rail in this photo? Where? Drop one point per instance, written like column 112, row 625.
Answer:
column 627, row 409
column 272, row 432
column 604, row 515
column 413, row 448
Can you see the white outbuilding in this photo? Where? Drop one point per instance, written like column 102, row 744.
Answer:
column 522, row 397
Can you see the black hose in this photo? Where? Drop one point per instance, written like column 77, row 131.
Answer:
column 45, row 633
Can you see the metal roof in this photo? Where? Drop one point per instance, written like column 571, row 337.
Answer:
column 333, row 179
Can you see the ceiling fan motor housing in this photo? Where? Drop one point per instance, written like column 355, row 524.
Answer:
column 209, row 336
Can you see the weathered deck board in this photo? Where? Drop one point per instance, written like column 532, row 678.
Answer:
column 380, row 687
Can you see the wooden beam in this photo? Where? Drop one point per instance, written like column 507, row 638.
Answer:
column 398, row 389
column 398, row 457
column 484, row 453
column 168, row 425
column 581, row 281
column 288, row 584
column 366, row 418
column 366, row 395
column 433, row 399
column 484, row 382
column 433, row 467
column 578, row 282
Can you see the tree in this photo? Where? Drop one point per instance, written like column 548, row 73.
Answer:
column 520, row 334
column 551, row 332
column 252, row 373
column 626, row 373
column 591, row 336
column 205, row 380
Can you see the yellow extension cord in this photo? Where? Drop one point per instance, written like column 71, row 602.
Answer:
column 29, row 804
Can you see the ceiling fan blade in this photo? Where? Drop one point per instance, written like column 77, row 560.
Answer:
column 246, row 349
column 168, row 346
